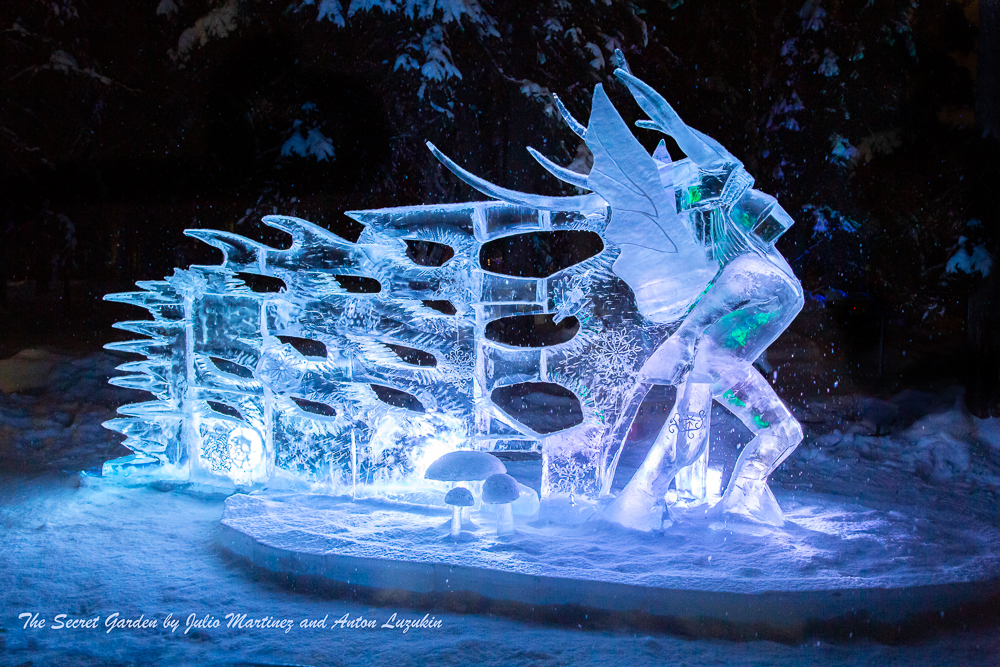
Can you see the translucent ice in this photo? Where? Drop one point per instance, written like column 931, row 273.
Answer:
column 376, row 358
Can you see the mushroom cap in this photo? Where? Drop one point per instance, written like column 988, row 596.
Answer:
column 464, row 466
column 459, row 497
column 500, row 488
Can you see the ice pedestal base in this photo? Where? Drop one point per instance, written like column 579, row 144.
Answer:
column 836, row 567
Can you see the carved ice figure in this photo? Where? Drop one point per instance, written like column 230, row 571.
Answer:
column 377, row 357
column 697, row 242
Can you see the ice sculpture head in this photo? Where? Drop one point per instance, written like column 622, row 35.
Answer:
column 719, row 180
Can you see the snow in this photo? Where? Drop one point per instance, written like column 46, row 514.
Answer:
column 89, row 546
column 812, row 15
column 52, row 407
column 26, row 370
column 218, row 23
column 829, row 65
column 305, row 142
column 328, row 9
column 828, row 543
column 95, row 549
column 978, row 261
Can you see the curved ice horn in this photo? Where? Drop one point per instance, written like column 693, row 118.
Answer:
column 667, row 121
column 578, row 128
column 575, row 203
column 562, row 173
column 719, row 148
column 650, row 125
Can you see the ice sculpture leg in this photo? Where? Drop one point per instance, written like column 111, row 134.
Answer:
column 776, row 435
column 748, row 306
column 692, row 480
column 680, row 442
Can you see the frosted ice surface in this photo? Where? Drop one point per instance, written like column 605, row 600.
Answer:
column 375, row 358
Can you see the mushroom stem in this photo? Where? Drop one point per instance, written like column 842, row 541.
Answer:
column 505, row 519
column 456, row 521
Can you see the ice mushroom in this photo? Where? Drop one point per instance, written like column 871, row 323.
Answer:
column 464, row 466
column 458, row 498
column 501, row 490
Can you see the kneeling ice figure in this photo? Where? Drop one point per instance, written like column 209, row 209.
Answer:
column 697, row 242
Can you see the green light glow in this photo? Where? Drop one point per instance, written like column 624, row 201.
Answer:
column 743, row 218
column 691, row 196
column 743, row 323
column 733, row 399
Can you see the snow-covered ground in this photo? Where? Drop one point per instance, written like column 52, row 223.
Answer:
column 827, row 543
column 88, row 548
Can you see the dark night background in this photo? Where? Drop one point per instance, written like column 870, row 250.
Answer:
column 875, row 124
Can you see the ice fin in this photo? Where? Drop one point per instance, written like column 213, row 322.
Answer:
column 660, row 152
column 140, row 382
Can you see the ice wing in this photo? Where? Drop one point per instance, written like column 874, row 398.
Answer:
column 660, row 260
column 626, row 177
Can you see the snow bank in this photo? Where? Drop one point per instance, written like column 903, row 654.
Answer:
column 52, row 407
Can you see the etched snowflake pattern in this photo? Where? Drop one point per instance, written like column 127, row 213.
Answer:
column 297, row 455
column 614, row 358
column 460, row 368
column 571, row 299
column 280, row 369
column 568, row 475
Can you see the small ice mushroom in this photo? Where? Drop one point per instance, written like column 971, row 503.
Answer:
column 458, row 498
column 501, row 489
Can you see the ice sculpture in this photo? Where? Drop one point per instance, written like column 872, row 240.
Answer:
column 705, row 255
column 376, row 358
